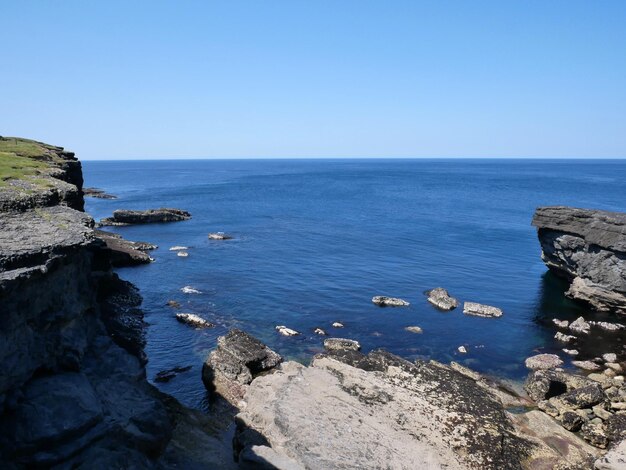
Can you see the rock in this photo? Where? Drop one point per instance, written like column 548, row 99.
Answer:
column 586, row 365
column 150, row 216
column 479, row 310
column 614, row 459
column 609, row 357
column 543, row 361
column 173, row 304
column 614, row 367
column 601, row 413
column 544, row 384
column 97, row 193
column 564, row 338
column 462, row 349
column 588, row 248
column 337, row 325
column 580, row 326
column 237, row 359
column 179, row 248
column 219, row 236
column 571, row 352
column 615, row 427
column 440, row 298
column 595, row 434
column 190, row 290
column 341, row 344
column 607, row 326
column 571, row 421
column 383, row 301
column 261, row 457
column 193, row 320
column 423, row 415
column 583, row 397
column 283, row 330
column 124, row 252
column 560, row 323
column 319, row 331
column 414, row 329
column 169, row 374
column 182, row 254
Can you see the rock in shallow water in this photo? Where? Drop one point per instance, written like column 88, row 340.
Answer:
column 341, row 344
column 283, row 330
column 193, row 320
column 150, row 216
column 440, row 298
column 383, row 301
column 219, row 236
column 543, row 361
column 480, row 310
column 414, row 329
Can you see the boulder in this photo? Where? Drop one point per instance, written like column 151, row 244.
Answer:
column 337, row 324
column 583, row 397
column 440, row 298
column 283, row 330
column 560, row 323
column 609, row 357
column 414, row 329
column 124, row 252
column 580, row 326
column 150, row 216
column 595, row 434
column 219, row 236
column 480, row 310
column 587, row 247
column 564, row 338
column 586, row 365
column 194, row 320
column 614, row 459
column 383, row 301
column 189, row 290
column 543, row 361
column 237, row 359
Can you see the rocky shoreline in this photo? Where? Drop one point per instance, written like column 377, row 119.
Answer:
column 74, row 392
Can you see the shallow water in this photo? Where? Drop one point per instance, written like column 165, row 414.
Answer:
column 316, row 239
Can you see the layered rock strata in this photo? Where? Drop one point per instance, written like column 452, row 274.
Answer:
column 587, row 247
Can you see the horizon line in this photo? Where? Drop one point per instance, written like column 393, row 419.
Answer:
column 170, row 158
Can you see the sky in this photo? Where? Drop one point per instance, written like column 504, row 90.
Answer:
column 319, row 78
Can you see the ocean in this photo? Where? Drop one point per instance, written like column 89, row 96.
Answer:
column 314, row 240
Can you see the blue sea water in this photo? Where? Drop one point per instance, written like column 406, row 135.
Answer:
column 314, row 240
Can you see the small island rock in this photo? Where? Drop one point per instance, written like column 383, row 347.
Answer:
column 383, row 301
column 480, row 310
column 440, row 298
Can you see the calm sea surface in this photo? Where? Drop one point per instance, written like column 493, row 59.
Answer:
column 315, row 240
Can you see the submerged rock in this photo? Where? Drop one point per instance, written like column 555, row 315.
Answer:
column 169, row 374
column 587, row 247
column 480, row 310
column 189, row 290
column 440, row 298
column 564, row 338
column 173, row 304
column 150, row 216
column 337, row 325
column 383, row 301
column 182, row 254
column 237, row 359
column 193, row 320
column 178, row 248
column 543, row 361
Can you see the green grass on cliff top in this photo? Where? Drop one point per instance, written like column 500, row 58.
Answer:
column 22, row 158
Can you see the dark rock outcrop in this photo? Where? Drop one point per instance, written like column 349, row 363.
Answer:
column 588, row 247
column 150, row 216
column 237, row 359
column 98, row 193
column 125, row 252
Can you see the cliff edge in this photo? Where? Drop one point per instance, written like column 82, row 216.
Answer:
column 587, row 247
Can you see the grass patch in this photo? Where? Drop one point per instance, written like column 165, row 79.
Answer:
column 23, row 158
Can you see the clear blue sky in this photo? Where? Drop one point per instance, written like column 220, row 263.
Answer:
column 136, row 79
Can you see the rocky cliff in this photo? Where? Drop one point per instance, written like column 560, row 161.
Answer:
column 73, row 389
column 588, row 247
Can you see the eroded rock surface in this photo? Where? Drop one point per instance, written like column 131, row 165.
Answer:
column 588, row 247
column 150, row 216
column 440, row 298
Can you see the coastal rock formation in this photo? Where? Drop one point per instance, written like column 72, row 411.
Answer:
column 73, row 388
column 480, row 310
column 219, row 236
column 237, row 359
column 440, row 298
column 97, row 193
column 349, row 410
column 543, row 362
column 383, row 301
column 341, row 344
column 193, row 320
column 125, row 252
column 150, row 216
column 587, row 247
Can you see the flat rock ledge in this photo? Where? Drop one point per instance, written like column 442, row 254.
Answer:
column 383, row 301
column 480, row 310
column 440, row 298
column 129, row 217
column 125, row 252
column 350, row 410
column 588, row 248
column 237, row 359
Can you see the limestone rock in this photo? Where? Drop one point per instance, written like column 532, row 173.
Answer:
column 440, row 298
column 219, row 236
column 283, row 330
column 150, row 216
column 237, row 359
column 580, row 326
column 480, row 310
column 586, row 365
column 588, row 248
column 543, row 361
column 614, row 459
column 341, row 344
column 564, row 338
column 414, row 329
column 124, row 252
column 383, row 301
column 98, row 193
column 194, row 320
